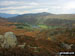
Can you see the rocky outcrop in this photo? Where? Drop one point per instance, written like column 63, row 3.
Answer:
column 9, row 40
column 22, row 46
column 1, row 40
column 67, row 46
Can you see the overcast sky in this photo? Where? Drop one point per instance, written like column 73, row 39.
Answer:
column 35, row 6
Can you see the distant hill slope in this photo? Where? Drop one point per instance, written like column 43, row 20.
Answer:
column 7, row 15
column 3, row 20
column 43, row 18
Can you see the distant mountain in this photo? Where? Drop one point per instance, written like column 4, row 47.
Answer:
column 43, row 18
column 31, row 18
column 7, row 15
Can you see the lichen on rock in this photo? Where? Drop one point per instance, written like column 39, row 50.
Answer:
column 10, row 40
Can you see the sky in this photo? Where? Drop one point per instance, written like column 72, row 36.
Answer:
column 37, row 6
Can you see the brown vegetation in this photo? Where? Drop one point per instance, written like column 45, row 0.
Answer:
column 47, row 46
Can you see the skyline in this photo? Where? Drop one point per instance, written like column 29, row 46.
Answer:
column 36, row 6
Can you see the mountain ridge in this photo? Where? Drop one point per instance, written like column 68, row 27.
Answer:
column 43, row 18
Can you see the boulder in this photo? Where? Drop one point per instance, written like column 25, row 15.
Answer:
column 1, row 40
column 67, row 46
column 10, row 40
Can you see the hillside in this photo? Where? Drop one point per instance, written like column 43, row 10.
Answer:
column 42, row 18
column 46, row 43
column 40, row 41
column 2, row 20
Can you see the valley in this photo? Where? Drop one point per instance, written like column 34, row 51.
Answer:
column 44, row 34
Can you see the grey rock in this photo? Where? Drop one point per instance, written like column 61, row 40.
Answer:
column 1, row 40
column 10, row 40
column 22, row 46
column 67, row 46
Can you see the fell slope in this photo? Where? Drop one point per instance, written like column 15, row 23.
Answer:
column 44, row 18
